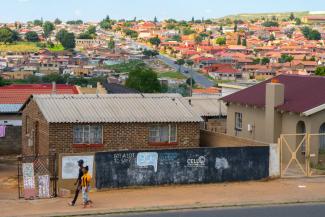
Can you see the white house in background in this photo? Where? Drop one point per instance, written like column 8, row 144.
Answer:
column 230, row 88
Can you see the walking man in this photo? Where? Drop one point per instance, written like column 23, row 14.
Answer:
column 78, row 182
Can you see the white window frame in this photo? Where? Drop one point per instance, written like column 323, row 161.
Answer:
column 83, row 134
column 169, row 133
column 238, row 121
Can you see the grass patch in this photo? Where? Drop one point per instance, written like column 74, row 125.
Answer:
column 56, row 47
column 171, row 74
column 19, row 47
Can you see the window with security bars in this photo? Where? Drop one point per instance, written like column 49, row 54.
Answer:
column 163, row 133
column 87, row 134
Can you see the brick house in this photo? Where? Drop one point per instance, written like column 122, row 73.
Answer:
column 91, row 123
column 12, row 98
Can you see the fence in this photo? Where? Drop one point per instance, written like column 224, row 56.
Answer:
column 302, row 155
column 37, row 176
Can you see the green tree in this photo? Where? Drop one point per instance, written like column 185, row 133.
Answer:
column 105, row 24
column 32, row 36
column 270, row 24
column 144, row 80
column 6, row 35
column 180, row 62
column 57, row 21
column 221, row 41
column 310, row 34
column 131, row 33
column 175, row 38
column 188, row 31
column 75, row 22
column 298, row 21
column 48, row 27
column 91, row 30
column 239, row 40
column 221, row 29
column 265, row 61
column 292, row 16
column 257, row 61
column 15, row 35
column 155, row 41
column 3, row 82
column 272, row 37
column 111, row 44
column 155, row 20
column 190, row 63
column 320, row 71
column 60, row 34
column 190, row 82
column 68, row 41
column 85, row 35
column 244, row 42
column 66, row 38
column 235, row 27
column 38, row 22
column 285, row 58
column 150, row 53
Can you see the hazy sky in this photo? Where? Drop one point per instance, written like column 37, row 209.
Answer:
column 93, row 10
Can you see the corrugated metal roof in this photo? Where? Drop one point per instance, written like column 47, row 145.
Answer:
column 115, row 108
column 207, row 106
column 10, row 108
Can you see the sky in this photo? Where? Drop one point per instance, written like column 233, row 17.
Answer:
column 95, row 10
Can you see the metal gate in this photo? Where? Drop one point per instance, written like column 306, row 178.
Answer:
column 302, row 155
column 43, row 166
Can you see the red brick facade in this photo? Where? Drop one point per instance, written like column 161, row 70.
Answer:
column 58, row 137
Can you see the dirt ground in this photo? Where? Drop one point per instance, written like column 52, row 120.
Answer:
column 8, row 178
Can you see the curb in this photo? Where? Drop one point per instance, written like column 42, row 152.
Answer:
column 177, row 208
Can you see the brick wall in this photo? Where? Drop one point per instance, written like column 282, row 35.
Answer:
column 11, row 143
column 58, row 137
column 31, row 117
column 126, row 136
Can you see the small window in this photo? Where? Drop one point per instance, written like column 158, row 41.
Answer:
column 87, row 134
column 238, row 121
column 163, row 133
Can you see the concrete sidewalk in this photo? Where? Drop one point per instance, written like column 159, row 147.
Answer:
column 176, row 197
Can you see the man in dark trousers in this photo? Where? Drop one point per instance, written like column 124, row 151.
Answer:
column 78, row 182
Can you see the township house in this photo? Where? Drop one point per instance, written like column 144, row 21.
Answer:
column 92, row 123
column 287, row 104
column 12, row 98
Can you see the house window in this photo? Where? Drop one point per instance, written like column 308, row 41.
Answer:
column 87, row 134
column 163, row 134
column 238, row 121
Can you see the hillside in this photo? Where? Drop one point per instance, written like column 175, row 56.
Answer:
column 279, row 15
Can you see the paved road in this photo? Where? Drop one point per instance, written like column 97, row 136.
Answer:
column 199, row 78
column 188, row 72
column 300, row 210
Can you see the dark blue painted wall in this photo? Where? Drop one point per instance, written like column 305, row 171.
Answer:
column 184, row 166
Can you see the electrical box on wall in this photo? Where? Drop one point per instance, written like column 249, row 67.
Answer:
column 250, row 127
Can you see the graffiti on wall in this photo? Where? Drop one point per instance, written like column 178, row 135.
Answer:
column 203, row 165
column 29, row 180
